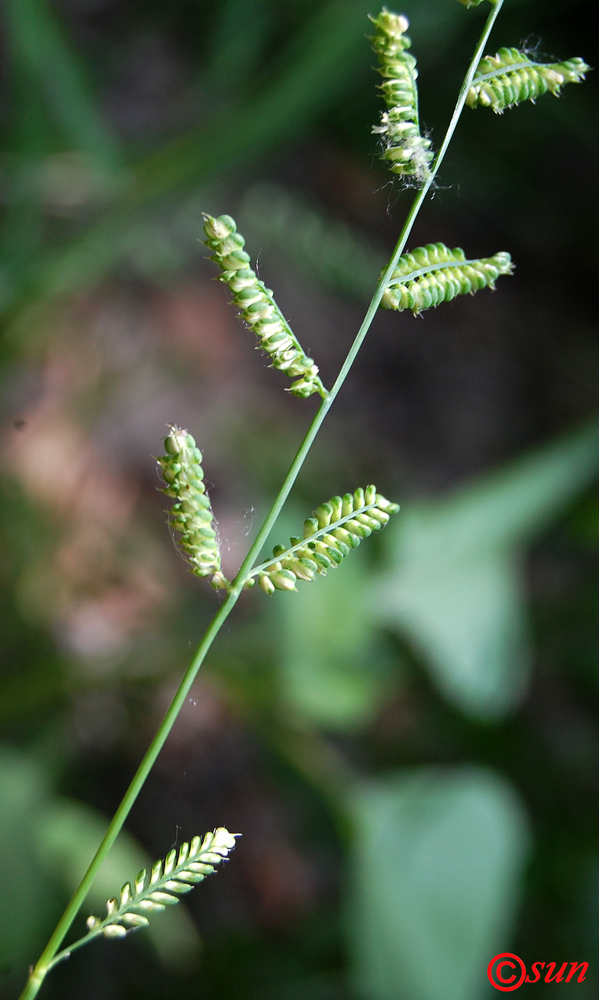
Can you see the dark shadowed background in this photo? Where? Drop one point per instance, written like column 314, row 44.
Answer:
column 410, row 747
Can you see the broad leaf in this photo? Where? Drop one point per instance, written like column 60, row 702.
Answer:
column 434, row 882
column 457, row 587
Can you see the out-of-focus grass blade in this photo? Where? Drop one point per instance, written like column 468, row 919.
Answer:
column 311, row 73
column 21, row 236
column 324, row 247
column 237, row 43
column 38, row 47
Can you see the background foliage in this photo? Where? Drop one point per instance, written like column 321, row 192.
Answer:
column 411, row 747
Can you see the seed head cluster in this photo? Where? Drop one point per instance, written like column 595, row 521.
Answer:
column 407, row 152
column 191, row 515
column 258, row 307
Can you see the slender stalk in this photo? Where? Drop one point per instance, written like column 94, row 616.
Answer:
column 45, row 961
column 67, row 952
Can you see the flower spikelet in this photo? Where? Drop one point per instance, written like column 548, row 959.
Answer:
column 433, row 274
column 191, row 514
column 335, row 528
column 258, row 308
column 168, row 879
column 406, row 151
column 511, row 76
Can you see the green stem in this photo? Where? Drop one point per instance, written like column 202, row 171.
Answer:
column 45, row 961
column 42, row 967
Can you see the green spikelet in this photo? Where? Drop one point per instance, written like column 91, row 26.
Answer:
column 433, row 274
column 407, row 152
column 475, row 3
column 191, row 514
column 335, row 528
column 510, row 76
column 258, row 308
column 168, row 879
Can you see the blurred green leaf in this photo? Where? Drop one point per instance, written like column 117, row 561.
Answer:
column 456, row 586
column 332, row 667
column 27, row 898
column 434, row 882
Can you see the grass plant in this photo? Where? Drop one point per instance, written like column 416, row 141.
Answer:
column 417, row 280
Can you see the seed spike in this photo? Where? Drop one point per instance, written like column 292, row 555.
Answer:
column 337, row 527
column 258, row 308
column 191, row 514
column 407, row 152
column 170, row 878
column 511, row 76
column 425, row 278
